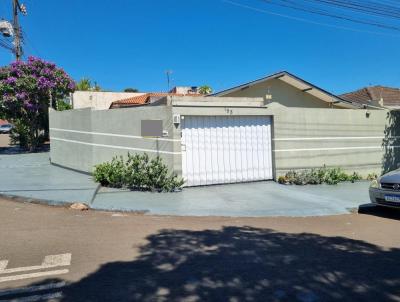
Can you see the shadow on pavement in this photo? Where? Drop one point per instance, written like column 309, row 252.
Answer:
column 379, row 211
column 246, row 264
column 12, row 150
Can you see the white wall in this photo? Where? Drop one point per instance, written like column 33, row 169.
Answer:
column 98, row 99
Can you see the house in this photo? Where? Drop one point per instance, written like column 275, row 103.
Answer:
column 145, row 99
column 254, row 131
column 3, row 122
column 379, row 96
column 288, row 90
column 185, row 90
column 102, row 100
column 99, row 100
column 216, row 140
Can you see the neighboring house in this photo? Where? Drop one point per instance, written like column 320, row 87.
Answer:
column 144, row 99
column 379, row 96
column 99, row 100
column 185, row 90
column 288, row 90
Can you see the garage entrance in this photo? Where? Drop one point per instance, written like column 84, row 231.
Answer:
column 226, row 149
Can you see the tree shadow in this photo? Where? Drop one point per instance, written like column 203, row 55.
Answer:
column 391, row 142
column 15, row 149
column 246, row 264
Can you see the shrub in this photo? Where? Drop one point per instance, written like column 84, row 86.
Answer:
column 282, row 180
column 317, row 176
column 137, row 172
column 372, row 176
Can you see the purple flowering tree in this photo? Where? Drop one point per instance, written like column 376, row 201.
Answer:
column 27, row 90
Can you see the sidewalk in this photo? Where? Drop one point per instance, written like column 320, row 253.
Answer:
column 32, row 176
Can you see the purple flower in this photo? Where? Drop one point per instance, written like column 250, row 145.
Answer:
column 71, row 85
column 45, row 83
column 21, row 95
column 10, row 80
column 31, row 107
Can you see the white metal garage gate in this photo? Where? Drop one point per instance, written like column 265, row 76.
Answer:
column 226, row 149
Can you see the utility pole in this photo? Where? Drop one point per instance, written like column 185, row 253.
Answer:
column 17, row 29
column 168, row 73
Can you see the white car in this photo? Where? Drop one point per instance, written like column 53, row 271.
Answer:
column 6, row 128
column 385, row 191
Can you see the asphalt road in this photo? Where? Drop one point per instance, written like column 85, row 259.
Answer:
column 58, row 254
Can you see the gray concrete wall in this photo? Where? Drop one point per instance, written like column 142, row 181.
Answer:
column 312, row 137
column 83, row 138
column 302, row 137
column 347, row 138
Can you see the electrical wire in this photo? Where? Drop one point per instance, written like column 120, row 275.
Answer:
column 296, row 6
column 248, row 7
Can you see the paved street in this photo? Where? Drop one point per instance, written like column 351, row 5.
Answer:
column 58, row 254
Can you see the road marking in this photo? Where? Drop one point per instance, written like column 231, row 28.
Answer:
column 35, row 298
column 30, row 289
column 49, row 261
column 33, row 275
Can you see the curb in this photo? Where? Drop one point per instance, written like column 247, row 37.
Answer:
column 36, row 201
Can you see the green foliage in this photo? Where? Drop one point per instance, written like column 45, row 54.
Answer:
column 85, row 84
column 205, row 89
column 27, row 90
column 131, row 90
column 137, row 172
column 61, row 105
column 330, row 176
column 19, row 134
column 372, row 176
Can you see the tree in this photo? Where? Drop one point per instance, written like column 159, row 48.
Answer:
column 131, row 90
column 85, row 84
column 205, row 89
column 27, row 90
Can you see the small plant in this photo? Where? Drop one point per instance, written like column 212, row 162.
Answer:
column 62, row 105
column 137, row 172
column 316, row 176
column 372, row 176
column 282, row 180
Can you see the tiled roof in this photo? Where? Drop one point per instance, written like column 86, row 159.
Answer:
column 386, row 96
column 144, row 99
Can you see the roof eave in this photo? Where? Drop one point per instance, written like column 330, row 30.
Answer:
column 278, row 75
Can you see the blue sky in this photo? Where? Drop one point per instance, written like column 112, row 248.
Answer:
column 130, row 43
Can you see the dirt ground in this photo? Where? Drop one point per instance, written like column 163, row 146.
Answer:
column 4, row 140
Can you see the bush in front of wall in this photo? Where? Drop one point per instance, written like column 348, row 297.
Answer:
column 331, row 176
column 137, row 172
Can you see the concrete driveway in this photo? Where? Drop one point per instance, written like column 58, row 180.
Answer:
column 32, row 176
column 241, row 200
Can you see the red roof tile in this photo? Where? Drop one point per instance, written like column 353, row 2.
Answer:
column 143, row 99
column 386, row 96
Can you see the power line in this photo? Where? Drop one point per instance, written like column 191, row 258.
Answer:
column 306, row 20
column 295, row 6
